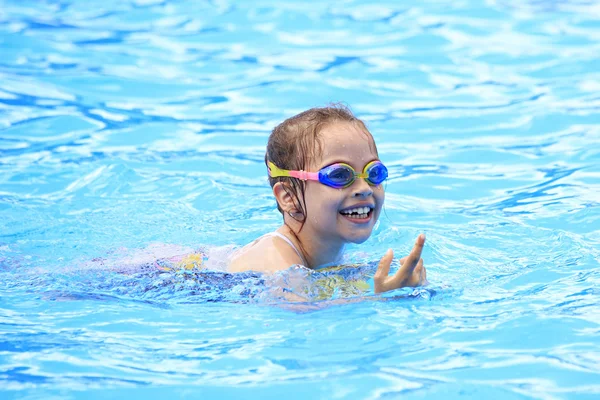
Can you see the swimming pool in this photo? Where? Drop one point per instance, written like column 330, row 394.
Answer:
column 127, row 124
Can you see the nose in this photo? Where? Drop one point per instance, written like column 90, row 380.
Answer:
column 361, row 188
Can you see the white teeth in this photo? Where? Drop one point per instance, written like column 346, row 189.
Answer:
column 360, row 212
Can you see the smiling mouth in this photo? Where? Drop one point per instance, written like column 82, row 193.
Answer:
column 358, row 213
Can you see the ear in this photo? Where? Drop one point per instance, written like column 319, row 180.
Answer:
column 284, row 199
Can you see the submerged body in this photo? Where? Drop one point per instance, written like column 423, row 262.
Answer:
column 324, row 201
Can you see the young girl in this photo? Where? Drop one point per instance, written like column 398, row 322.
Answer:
column 327, row 179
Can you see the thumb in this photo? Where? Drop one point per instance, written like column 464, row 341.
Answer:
column 383, row 269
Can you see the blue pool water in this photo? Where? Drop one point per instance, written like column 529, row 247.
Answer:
column 128, row 128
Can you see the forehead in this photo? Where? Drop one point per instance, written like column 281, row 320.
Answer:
column 346, row 142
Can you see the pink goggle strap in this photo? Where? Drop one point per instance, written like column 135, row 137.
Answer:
column 303, row 175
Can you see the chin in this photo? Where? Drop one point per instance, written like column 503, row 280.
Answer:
column 358, row 239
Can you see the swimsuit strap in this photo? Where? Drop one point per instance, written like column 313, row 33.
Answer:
column 279, row 235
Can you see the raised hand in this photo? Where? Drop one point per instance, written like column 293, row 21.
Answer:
column 411, row 272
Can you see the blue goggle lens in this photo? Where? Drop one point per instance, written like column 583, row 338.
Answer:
column 340, row 176
column 377, row 173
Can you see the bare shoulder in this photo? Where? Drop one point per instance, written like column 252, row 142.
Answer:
column 264, row 255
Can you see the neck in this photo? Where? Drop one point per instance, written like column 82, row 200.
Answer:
column 317, row 251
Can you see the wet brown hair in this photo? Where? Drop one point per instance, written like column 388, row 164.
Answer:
column 297, row 140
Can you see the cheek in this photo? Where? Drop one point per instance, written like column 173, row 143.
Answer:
column 321, row 199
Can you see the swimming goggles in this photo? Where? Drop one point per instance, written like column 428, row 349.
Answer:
column 338, row 175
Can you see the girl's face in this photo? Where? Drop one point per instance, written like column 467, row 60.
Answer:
column 329, row 210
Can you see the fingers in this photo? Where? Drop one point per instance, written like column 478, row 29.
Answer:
column 420, row 264
column 413, row 258
column 383, row 269
column 418, row 247
column 411, row 272
column 420, row 272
